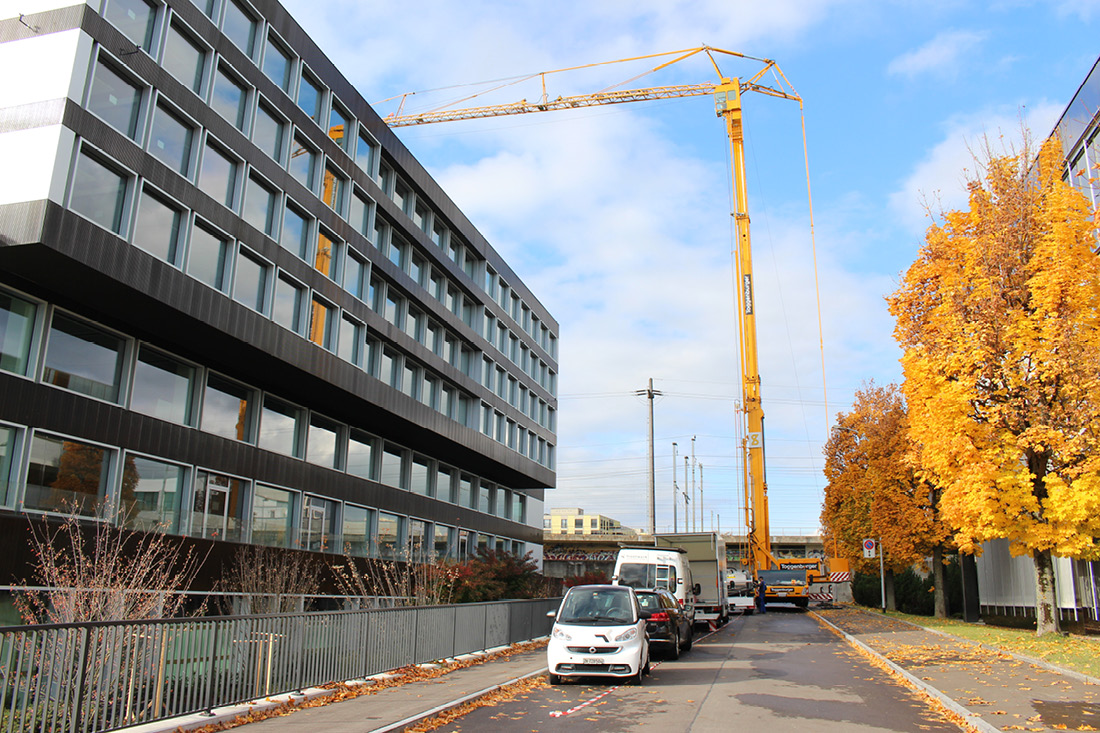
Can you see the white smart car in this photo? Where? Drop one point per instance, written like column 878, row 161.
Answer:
column 599, row 630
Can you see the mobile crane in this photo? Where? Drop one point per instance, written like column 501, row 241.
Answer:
column 786, row 583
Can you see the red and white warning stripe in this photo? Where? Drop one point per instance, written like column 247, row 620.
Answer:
column 840, row 577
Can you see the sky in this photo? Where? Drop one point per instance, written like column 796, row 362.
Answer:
column 618, row 217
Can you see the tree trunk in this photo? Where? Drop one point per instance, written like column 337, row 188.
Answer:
column 891, row 599
column 939, row 582
column 1046, row 603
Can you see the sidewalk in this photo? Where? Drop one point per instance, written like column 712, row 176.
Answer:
column 991, row 689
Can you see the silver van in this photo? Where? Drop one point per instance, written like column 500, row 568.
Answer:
column 648, row 567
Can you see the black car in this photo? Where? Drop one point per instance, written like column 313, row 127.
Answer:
column 668, row 626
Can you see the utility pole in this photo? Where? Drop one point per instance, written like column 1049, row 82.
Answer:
column 649, row 393
column 702, row 514
column 687, row 502
column 675, row 492
column 693, row 529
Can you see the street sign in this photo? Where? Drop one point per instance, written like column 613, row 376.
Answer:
column 868, row 548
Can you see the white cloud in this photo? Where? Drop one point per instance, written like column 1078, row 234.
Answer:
column 939, row 179
column 944, row 54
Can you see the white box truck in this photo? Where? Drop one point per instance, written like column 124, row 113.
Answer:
column 706, row 554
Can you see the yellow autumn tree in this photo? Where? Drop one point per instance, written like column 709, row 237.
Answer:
column 873, row 490
column 999, row 320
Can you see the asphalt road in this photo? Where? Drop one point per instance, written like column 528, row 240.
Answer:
column 778, row 672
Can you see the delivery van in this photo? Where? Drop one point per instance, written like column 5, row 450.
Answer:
column 648, row 567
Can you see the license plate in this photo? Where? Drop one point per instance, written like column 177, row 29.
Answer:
column 591, row 660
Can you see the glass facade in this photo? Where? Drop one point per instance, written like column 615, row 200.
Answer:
column 67, row 476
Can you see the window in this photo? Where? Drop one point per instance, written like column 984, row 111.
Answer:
column 420, row 216
column 417, row 268
column 439, row 234
column 272, row 516
column 115, row 99
column 339, row 126
column 227, row 409
column 267, row 132
column 391, row 466
column 318, row 531
column 397, row 252
column 444, row 539
column 135, row 19
column 218, row 178
column 365, row 148
column 158, row 227
column 310, row 97
column 207, row 257
column 84, row 359
column 443, row 490
column 289, row 299
column 67, row 476
column 323, row 442
column 184, row 58
column 218, row 508
column 153, row 504
column 259, row 205
column 16, row 331
column 465, row 490
column 171, row 140
column 277, row 64
column 359, row 214
column 519, row 501
column 99, row 192
column 239, row 26
column 303, row 162
column 413, row 321
column 322, row 327
column 356, row 530
column 295, row 233
column 324, row 260
column 356, row 274
column 163, row 387
column 9, row 448
column 410, row 379
column 387, row 370
column 350, row 347
column 332, row 191
column 250, row 278
column 417, row 540
column 279, row 427
column 389, row 536
column 360, row 455
column 419, row 476
column 230, row 97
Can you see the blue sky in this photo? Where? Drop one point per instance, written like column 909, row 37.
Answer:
column 618, row 217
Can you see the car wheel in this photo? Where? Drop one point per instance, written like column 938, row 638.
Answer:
column 690, row 639
column 674, row 653
column 555, row 679
column 645, row 669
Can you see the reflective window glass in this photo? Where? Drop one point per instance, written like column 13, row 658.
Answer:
column 356, row 530
column 267, row 132
column 303, row 162
column 240, row 27
column 135, row 18
column 279, row 427
column 295, row 232
column 8, row 448
column 229, row 98
column 84, row 359
column 310, row 97
column 67, row 476
column 391, row 466
column 324, row 259
column 355, row 275
column 259, row 205
column 277, row 64
column 16, row 331
column 389, row 536
column 206, row 258
column 158, row 228
column 184, row 58
column 272, row 516
column 218, row 507
column 364, row 152
column 443, row 484
column 218, row 178
column 465, row 491
column 443, row 539
column 332, row 190
column 359, row 213
column 360, row 455
column 250, row 281
column 227, row 408
column 339, row 127
column 318, row 525
column 163, row 387
column 323, row 440
column 322, row 325
column 350, row 347
column 115, row 99
column 287, row 308
column 99, row 193
column 419, row 476
column 151, row 492
column 171, row 139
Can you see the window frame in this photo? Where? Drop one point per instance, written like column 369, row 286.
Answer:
column 129, row 183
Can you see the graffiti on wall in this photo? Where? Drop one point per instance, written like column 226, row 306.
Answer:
column 565, row 553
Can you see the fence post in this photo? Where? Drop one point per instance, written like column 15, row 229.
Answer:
column 78, row 714
column 210, row 674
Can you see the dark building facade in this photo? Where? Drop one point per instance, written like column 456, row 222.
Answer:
column 233, row 306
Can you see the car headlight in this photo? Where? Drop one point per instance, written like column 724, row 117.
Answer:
column 631, row 633
column 557, row 633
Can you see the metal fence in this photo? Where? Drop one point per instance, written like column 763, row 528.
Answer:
column 103, row 676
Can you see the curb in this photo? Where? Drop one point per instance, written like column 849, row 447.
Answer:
column 971, row 718
column 414, row 719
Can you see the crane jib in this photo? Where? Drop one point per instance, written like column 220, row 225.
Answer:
column 746, row 286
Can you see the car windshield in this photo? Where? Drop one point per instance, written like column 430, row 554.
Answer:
column 649, row 601
column 596, row 606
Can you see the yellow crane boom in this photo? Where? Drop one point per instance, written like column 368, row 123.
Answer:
column 727, row 99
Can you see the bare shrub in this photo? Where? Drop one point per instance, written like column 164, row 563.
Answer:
column 415, row 579
column 272, row 580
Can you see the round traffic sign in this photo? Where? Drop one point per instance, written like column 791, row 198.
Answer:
column 868, row 544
